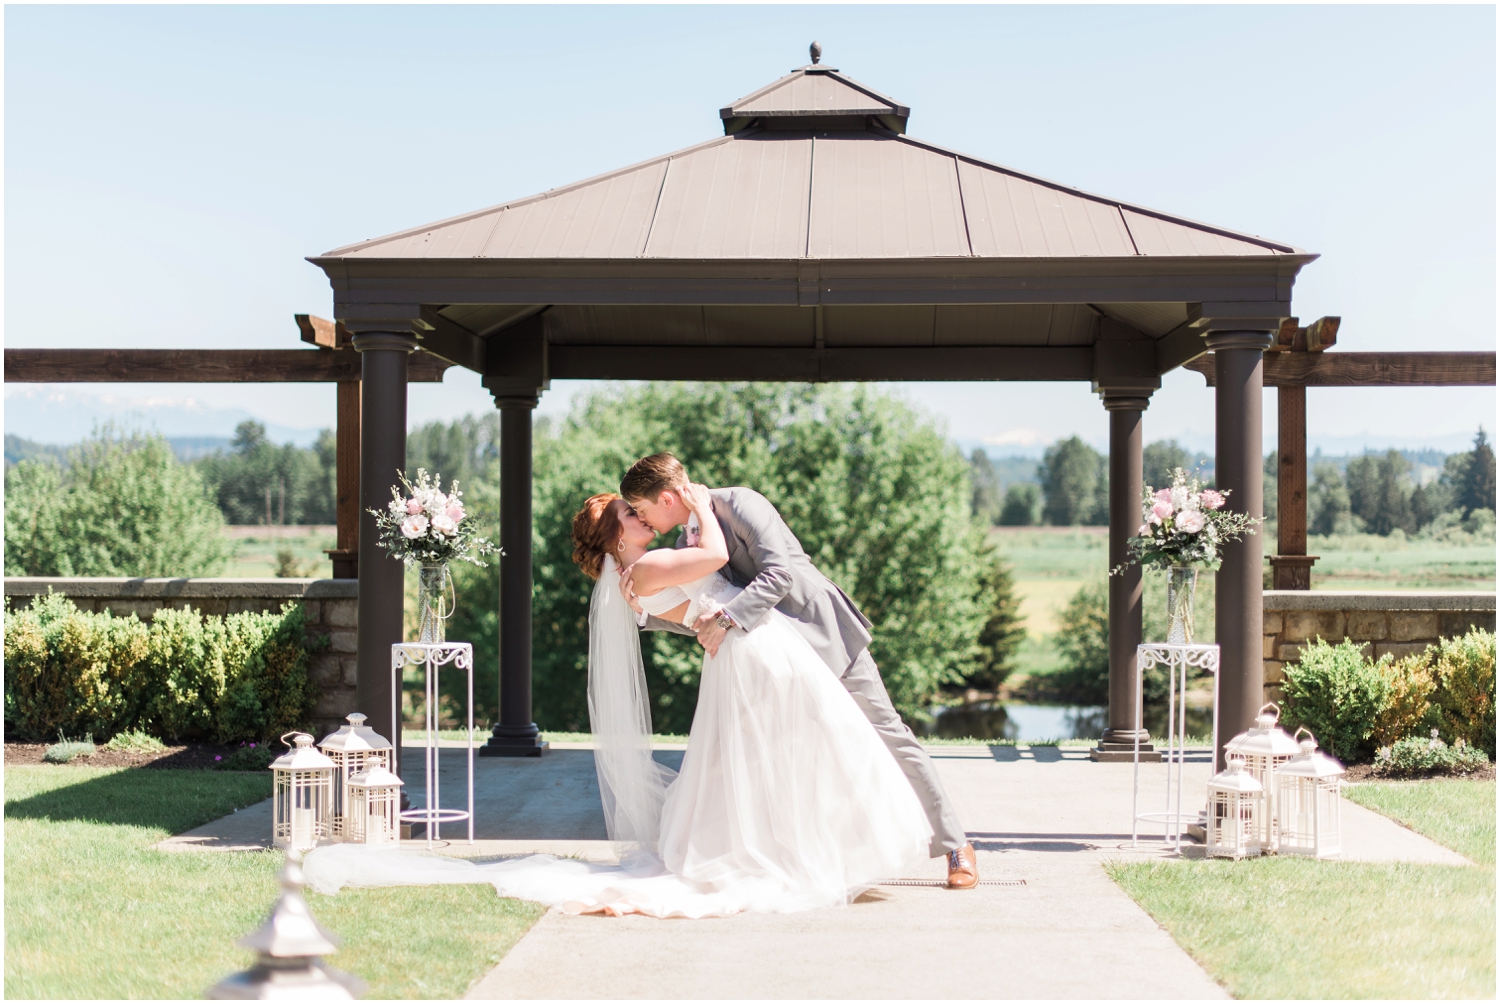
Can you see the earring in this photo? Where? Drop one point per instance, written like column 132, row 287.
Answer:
column 621, row 545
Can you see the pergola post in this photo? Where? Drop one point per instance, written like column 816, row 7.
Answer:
column 382, row 452
column 516, row 374
column 1291, row 566
column 1125, row 589
column 1238, row 467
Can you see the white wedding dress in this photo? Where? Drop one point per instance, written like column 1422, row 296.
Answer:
column 787, row 799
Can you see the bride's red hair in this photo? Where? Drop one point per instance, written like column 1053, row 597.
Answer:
column 596, row 530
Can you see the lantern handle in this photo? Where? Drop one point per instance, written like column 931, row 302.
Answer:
column 1303, row 729
column 1275, row 709
column 292, row 733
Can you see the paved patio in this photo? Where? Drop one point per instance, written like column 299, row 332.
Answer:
column 1043, row 819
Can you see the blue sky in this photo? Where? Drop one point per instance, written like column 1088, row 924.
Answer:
column 168, row 168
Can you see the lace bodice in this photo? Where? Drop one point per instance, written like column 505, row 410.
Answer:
column 712, row 588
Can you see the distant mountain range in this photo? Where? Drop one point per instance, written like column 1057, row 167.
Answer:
column 47, row 414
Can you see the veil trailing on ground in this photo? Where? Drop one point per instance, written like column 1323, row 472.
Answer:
column 632, row 786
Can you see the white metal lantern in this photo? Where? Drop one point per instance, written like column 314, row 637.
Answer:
column 352, row 748
column 373, row 813
column 1264, row 748
column 303, row 795
column 1236, row 801
column 1307, row 802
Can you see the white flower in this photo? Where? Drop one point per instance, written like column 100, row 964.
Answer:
column 414, row 526
column 1191, row 522
column 1179, row 497
column 444, row 524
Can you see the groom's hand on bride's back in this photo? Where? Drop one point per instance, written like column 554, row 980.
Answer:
column 627, row 588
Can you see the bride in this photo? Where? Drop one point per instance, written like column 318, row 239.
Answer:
column 787, row 799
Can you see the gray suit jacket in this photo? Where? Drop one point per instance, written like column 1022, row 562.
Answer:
column 767, row 561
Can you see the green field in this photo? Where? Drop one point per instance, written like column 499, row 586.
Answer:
column 256, row 549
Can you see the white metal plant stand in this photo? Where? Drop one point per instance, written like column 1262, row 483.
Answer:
column 431, row 657
column 1177, row 659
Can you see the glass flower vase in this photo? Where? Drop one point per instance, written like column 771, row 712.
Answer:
column 1182, row 582
column 435, row 602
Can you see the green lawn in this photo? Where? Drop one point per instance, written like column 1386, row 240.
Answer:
column 1292, row 928
column 92, row 911
column 256, row 549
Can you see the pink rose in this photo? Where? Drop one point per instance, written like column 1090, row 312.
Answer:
column 413, row 507
column 1144, row 531
column 414, row 526
column 1211, row 499
column 456, row 512
column 1191, row 522
column 1161, row 510
column 443, row 525
column 1164, row 495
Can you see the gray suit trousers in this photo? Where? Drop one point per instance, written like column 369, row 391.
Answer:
column 862, row 680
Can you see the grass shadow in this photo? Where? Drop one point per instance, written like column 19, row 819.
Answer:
column 172, row 800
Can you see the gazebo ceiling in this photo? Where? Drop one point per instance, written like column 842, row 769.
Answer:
column 814, row 197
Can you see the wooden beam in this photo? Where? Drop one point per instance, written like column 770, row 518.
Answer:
column 1370, row 369
column 200, row 366
column 806, row 365
column 448, row 340
column 345, row 553
column 1179, row 347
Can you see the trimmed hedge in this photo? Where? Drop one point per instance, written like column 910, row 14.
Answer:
column 182, row 676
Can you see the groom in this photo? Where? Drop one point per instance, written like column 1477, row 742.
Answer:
column 767, row 560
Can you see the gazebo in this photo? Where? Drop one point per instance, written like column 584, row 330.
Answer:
column 815, row 241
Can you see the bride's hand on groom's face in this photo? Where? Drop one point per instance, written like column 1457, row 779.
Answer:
column 695, row 497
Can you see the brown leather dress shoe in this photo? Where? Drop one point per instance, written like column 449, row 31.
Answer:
column 963, row 868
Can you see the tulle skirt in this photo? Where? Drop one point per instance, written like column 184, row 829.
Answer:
column 787, row 800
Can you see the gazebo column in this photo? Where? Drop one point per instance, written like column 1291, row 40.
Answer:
column 382, row 452
column 516, row 374
column 1125, row 590
column 1238, row 467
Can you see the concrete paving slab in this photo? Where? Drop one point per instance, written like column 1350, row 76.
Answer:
column 247, row 829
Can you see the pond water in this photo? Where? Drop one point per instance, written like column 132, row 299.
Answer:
column 1019, row 721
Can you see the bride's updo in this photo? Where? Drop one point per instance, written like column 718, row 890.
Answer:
column 596, row 530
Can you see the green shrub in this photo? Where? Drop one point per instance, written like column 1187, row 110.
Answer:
column 1336, row 693
column 183, row 676
column 135, row 741
column 1408, row 708
column 1082, row 639
column 1465, row 670
column 66, row 750
column 249, row 756
column 1418, row 757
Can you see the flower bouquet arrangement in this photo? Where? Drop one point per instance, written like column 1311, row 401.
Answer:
column 428, row 528
column 1184, row 529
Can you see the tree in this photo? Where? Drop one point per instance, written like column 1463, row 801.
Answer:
column 1476, row 490
column 1023, row 505
column 1083, row 641
column 1380, row 492
column 1003, row 632
column 122, row 506
column 878, row 498
column 1328, row 502
column 987, row 503
column 1075, row 484
column 1160, row 459
column 262, row 483
column 1270, row 484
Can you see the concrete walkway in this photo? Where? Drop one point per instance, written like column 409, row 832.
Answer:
column 1043, row 820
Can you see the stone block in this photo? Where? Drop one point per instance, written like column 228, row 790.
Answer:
column 1414, row 625
column 351, row 670
column 1273, row 672
column 1305, row 625
column 326, row 670
column 143, row 609
column 1456, row 623
column 334, row 705
column 341, row 613
column 1268, row 647
column 211, row 607
column 1272, row 622
column 1367, row 625
column 312, row 612
column 1289, row 653
column 1273, row 694
column 343, row 641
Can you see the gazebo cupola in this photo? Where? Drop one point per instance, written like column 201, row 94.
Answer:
column 815, row 241
column 815, row 98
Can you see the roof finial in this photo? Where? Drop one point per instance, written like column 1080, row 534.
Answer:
column 816, row 51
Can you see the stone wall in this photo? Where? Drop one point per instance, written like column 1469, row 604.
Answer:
column 1395, row 624
column 331, row 606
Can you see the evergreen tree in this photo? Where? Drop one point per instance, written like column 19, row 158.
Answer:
column 1003, row 632
column 986, row 498
column 1328, row 502
column 1075, row 484
column 1023, row 505
column 1477, row 488
column 1160, row 459
column 1362, row 479
column 262, row 483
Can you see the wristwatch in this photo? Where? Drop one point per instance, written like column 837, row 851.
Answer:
column 725, row 621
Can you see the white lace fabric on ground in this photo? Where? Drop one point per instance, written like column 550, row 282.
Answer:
column 787, row 799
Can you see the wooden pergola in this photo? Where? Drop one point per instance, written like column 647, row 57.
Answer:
column 815, row 241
